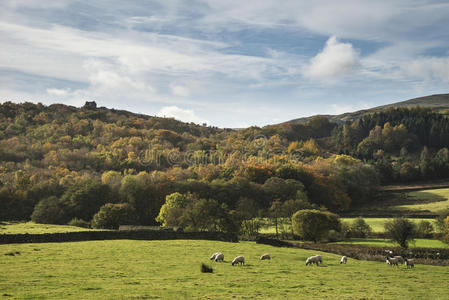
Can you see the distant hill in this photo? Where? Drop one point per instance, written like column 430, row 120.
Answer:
column 439, row 102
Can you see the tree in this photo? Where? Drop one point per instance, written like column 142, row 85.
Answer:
column 446, row 226
column 171, row 210
column 111, row 215
column 359, row 228
column 401, row 231
column 424, row 229
column 313, row 225
column 49, row 211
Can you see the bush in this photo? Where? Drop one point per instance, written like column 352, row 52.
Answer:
column 359, row 228
column 424, row 229
column 110, row 216
column 79, row 223
column 401, row 231
column 446, row 226
column 49, row 211
column 314, row 225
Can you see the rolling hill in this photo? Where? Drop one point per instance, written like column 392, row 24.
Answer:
column 438, row 102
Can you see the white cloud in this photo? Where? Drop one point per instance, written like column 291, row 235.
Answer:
column 428, row 68
column 57, row 92
column 334, row 62
column 185, row 115
column 179, row 90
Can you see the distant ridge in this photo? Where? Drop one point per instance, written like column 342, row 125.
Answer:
column 437, row 102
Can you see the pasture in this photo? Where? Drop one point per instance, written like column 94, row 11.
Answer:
column 35, row 228
column 377, row 224
column 418, row 243
column 128, row 269
column 433, row 200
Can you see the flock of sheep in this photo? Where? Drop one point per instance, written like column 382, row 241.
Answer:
column 317, row 259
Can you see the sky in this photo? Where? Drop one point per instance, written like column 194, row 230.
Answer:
column 226, row 63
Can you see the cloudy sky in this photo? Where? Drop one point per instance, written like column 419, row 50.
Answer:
column 226, row 63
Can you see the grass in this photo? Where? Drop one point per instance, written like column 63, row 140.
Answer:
column 433, row 200
column 33, row 228
column 419, row 243
column 377, row 224
column 171, row 270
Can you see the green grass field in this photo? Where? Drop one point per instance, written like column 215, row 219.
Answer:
column 171, row 270
column 419, row 243
column 433, row 200
column 33, row 228
column 377, row 224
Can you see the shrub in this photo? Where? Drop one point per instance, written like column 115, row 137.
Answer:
column 49, row 211
column 112, row 215
column 79, row 223
column 446, row 225
column 314, row 225
column 424, row 229
column 359, row 228
column 441, row 218
column 401, row 231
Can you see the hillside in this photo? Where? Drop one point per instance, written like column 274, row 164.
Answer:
column 62, row 164
column 438, row 102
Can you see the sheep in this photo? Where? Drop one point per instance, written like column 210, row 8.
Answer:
column 400, row 258
column 409, row 263
column 320, row 259
column 316, row 259
column 214, row 255
column 343, row 260
column 392, row 261
column 239, row 259
column 219, row 257
column 265, row 256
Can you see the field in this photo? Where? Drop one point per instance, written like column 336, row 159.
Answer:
column 426, row 200
column 171, row 270
column 377, row 224
column 419, row 243
column 33, row 228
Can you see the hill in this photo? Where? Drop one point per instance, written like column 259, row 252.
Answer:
column 438, row 102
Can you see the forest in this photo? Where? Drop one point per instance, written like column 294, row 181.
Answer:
column 62, row 164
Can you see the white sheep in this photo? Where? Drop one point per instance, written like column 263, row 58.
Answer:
column 392, row 261
column 214, row 255
column 265, row 256
column 219, row 257
column 320, row 259
column 316, row 259
column 239, row 259
column 409, row 263
column 400, row 258
column 343, row 260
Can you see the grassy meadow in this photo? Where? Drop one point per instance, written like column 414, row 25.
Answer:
column 34, row 228
column 418, row 243
column 433, row 200
column 377, row 224
column 171, row 270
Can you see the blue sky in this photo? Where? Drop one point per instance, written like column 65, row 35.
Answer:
column 226, row 63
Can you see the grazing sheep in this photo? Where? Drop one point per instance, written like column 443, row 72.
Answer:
column 239, row 259
column 400, row 258
column 214, row 255
column 206, row 269
column 343, row 260
column 265, row 256
column 219, row 257
column 392, row 261
column 409, row 263
column 316, row 259
column 320, row 259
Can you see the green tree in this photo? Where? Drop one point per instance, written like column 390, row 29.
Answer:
column 50, row 211
column 400, row 231
column 111, row 215
column 359, row 228
column 314, row 225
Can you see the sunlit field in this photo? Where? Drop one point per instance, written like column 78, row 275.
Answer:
column 432, row 200
column 418, row 243
column 377, row 224
column 171, row 270
column 34, row 228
